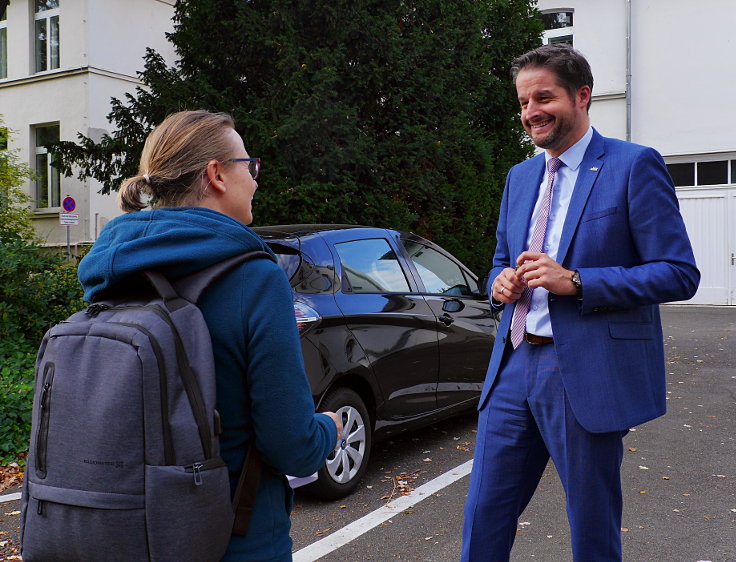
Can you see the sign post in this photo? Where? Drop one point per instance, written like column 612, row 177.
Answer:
column 67, row 219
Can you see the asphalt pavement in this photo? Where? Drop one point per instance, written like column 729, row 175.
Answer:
column 678, row 476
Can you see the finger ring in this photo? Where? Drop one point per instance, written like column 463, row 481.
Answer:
column 502, row 290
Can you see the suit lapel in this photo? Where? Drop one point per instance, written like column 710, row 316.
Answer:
column 522, row 206
column 590, row 167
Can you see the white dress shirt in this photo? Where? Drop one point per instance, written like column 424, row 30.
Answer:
column 537, row 321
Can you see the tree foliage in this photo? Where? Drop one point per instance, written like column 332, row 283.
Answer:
column 15, row 215
column 396, row 113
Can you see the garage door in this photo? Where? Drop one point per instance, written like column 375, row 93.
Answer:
column 710, row 217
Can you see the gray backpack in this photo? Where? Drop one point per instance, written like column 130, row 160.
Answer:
column 124, row 461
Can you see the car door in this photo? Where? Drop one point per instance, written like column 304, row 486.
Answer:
column 395, row 327
column 466, row 327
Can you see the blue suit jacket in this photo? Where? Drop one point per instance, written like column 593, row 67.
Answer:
column 625, row 235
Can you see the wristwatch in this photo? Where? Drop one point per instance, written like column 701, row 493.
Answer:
column 578, row 284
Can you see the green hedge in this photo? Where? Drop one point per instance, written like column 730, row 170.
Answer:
column 39, row 288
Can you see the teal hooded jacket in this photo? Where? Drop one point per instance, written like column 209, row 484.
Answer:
column 262, row 388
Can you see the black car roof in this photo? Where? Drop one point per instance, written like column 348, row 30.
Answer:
column 300, row 229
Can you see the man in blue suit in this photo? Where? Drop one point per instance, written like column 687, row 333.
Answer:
column 590, row 241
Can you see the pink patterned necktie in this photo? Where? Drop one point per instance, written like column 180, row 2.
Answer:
column 518, row 322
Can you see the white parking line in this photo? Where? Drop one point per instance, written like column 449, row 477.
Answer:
column 10, row 497
column 352, row 531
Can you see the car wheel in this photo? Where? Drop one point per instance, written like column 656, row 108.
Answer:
column 344, row 468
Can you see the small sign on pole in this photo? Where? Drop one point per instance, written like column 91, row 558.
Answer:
column 67, row 219
column 69, row 204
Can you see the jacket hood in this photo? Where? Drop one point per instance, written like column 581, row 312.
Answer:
column 175, row 241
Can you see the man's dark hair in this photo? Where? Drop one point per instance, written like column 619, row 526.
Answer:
column 570, row 67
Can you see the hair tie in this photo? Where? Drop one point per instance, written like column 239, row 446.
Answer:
column 147, row 178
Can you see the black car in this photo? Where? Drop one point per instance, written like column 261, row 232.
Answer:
column 396, row 333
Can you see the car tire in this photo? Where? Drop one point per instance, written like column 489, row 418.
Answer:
column 344, row 468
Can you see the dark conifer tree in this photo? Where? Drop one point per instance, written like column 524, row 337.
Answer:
column 396, row 113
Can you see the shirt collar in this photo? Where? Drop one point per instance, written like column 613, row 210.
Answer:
column 573, row 156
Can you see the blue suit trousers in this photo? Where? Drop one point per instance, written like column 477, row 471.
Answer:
column 527, row 419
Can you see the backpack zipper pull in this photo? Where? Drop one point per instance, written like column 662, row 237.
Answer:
column 95, row 309
column 197, row 470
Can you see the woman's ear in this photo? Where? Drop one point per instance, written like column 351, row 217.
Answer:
column 213, row 174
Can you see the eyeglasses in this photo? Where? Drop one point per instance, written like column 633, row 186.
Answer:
column 254, row 164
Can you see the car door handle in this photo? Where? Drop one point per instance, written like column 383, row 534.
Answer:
column 446, row 319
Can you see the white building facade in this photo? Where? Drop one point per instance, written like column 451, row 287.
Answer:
column 61, row 61
column 663, row 78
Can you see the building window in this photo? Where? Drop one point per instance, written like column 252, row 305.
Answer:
column 4, row 44
column 47, row 34
column 48, row 184
column 713, row 173
column 682, row 174
column 705, row 173
column 558, row 27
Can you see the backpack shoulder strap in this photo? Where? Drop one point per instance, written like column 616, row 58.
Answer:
column 192, row 286
column 245, row 493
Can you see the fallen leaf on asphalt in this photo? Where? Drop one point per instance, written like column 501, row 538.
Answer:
column 427, row 460
column 13, row 513
column 428, row 538
column 369, row 487
column 665, row 477
column 686, row 495
column 733, row 511
column 643, row 467
column 323, row 531
column 632, row 449
column 624, row 529
column 642, row 491
column 343, row 507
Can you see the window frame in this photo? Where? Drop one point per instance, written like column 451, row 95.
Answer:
column 559, row 34
column 4, row 44
column 52, row 58
column 50, row 174
column 695, row 161
column 423, row 289
column 397, row 256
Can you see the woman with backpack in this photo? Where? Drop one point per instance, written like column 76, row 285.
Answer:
column 199, row 181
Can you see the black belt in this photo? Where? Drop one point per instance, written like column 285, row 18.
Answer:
column 537, row 340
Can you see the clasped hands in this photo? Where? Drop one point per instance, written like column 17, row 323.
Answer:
column 533, row 270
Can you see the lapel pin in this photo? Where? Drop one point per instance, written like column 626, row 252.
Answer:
column 594, row 169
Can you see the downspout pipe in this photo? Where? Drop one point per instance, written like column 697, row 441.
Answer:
column 628, row 70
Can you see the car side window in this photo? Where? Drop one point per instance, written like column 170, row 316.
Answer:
column 439, row 274
column 371, row 266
